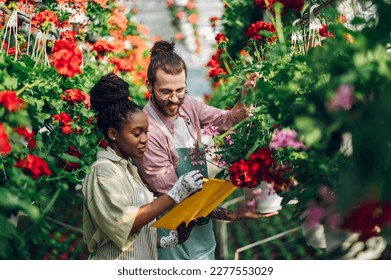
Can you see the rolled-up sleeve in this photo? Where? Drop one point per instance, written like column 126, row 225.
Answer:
column 110, row 206
column 223, row 119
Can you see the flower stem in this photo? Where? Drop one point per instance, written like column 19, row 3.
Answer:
column 51, row 203
column 28, row 86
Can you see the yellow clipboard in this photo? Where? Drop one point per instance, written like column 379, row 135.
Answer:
column 197, row 205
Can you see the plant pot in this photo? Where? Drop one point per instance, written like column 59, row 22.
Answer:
column 267, row 200
column 181, row 2
column 315, row 236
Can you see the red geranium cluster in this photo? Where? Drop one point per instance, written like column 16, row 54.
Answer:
column 215, row 60
column 29, row 136
column 261, row 166
column 369, row 219
column 67, row 58
column 122, row 64
column 5, row 146
column 249, row 173
column 216, row 72
column 213, row 21
column 255, row 28
column 102, row 47
column 34, row 166
column 69, row 35
column 221, row 39
column 44, row 17
column 10, row 100
column 323, row 31
column 71, row 166
column 288, row 4
column 74, row 95
column 64, row 119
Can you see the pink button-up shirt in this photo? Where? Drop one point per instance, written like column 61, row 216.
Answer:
column 157, row 167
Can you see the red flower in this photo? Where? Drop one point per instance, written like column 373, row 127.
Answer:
column 34, row 166
column 74, row 95
column 102, row 47
column 288, row 4
column 10, row 101
column 261, row 166
column 369, row 219
column 5, row 146
column 46, row 16
column 29, row 136
column 103, row 143
column 213, row 21
column 255, row 28
column 324, row 32
column 241, row 175
column 71, row 166
column 64, row 119
column 215, row 60
column 292, row 4
column 69, row 35
column 67, row 58
column 216, row 72
column 261, row 4
column 122, row 64
column 11, row 51
column 147, row 95
column 220, row 38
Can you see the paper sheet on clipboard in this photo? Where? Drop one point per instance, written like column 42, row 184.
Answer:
column 197, row 205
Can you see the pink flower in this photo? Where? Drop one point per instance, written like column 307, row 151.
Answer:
column 314, row 216
column 210, row 130
column 342, row 99
column 285, row 138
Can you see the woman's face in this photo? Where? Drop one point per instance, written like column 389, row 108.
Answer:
column 130, row 140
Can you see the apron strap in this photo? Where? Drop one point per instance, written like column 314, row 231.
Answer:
column 161, row 125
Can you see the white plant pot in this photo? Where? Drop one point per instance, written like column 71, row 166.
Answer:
column 315, row 236
column 266, row 198
column 181, row 2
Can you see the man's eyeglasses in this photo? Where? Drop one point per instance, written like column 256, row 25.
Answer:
column 168, row 94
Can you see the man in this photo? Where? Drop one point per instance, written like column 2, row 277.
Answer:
column 175, row 127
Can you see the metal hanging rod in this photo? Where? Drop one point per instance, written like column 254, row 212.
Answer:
column 305, row 18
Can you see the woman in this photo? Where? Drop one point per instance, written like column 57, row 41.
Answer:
column 118, row 207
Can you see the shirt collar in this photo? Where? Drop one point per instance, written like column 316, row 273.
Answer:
column 110, row 154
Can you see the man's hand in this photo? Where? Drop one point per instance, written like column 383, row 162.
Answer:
column 251, row 81
column 238, row 215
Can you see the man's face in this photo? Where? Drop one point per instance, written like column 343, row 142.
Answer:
column 168, row 92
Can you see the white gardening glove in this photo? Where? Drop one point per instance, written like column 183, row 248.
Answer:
column 186, row 185
column 170, row 240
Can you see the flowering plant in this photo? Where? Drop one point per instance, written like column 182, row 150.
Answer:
column 48, row 137
column 319, row 110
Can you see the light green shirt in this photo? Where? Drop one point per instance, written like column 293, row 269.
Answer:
column 112, row 198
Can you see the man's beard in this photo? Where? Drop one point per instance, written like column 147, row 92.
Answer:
column 163, row 106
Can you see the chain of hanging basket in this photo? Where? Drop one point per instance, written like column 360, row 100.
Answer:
column 304, row 21
column 21, row 15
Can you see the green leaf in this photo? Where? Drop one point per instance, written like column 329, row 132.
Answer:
column 11, row 201
column 10, row 83
column 309, row 129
